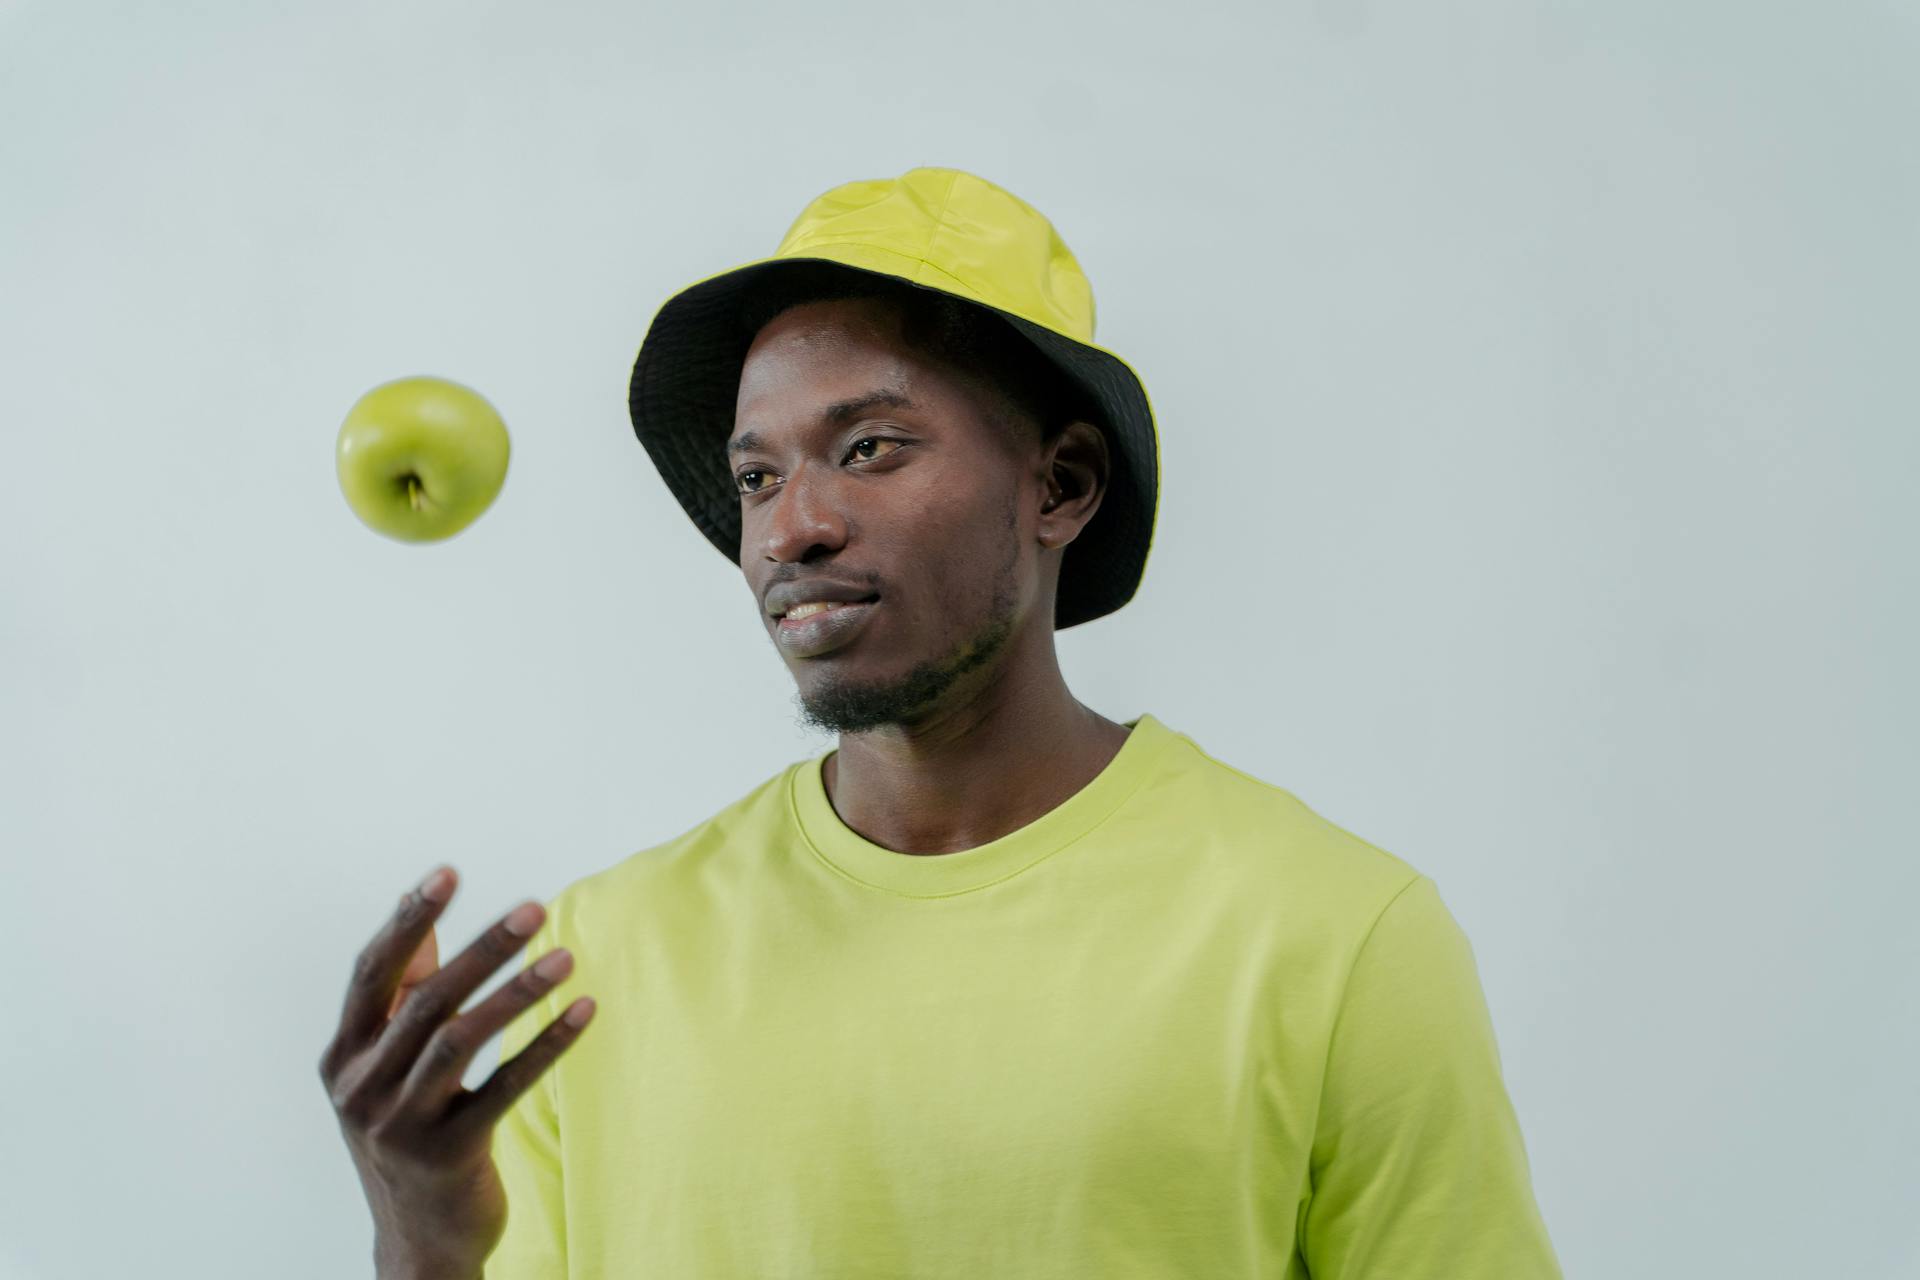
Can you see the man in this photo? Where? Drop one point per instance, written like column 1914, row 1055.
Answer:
column 999, row 987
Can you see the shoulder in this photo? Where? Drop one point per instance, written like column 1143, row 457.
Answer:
column 1265, row 837
column 609, row 900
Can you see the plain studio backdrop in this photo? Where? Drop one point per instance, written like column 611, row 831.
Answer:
column 1536, row 394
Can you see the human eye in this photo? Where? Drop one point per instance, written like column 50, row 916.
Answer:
column 876, row 440
column 742, row 480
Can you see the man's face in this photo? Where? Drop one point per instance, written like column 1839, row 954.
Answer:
column 926, row 504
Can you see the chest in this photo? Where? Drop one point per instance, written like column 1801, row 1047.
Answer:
column 874, row 1091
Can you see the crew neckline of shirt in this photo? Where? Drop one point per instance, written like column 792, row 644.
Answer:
column 965, row 870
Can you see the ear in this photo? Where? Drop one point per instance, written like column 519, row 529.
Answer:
column 1077, row 473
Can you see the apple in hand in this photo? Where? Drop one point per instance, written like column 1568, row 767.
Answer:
column 421, row 458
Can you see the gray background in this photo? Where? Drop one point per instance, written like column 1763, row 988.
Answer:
column 1538, row 414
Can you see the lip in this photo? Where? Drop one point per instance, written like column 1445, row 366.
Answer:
column 813, row 636
column 783, row 596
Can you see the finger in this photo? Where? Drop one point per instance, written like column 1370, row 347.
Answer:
column 425, row 963
column 377, row 970
column 485, row 1105
column 440, row 996
column 437, row 1072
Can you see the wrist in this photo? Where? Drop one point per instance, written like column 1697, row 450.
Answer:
column 395, row 1261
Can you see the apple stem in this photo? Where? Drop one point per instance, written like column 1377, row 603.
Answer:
column 414, row 493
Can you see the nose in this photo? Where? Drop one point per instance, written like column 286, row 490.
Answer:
column 802, row 516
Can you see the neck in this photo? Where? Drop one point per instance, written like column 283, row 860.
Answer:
column 972, row 774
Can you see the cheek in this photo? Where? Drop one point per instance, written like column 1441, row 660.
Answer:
column 969, row 555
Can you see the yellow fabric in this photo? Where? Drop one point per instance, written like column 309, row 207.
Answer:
column 1179, row 1026
column 949, row 230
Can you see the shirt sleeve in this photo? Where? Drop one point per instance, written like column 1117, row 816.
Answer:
column 1418, row 1169
column 526, row 1151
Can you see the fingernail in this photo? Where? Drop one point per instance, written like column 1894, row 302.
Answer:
column 577, row 1015
column 434, row 887
column 523, row 919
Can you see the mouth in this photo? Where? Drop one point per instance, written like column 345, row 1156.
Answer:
column 825, row 629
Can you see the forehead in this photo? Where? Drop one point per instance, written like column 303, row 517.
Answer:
column 796, row 358
column 839, row 331
column 824, row 364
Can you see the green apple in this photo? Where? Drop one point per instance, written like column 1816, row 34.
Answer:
column 421, row 458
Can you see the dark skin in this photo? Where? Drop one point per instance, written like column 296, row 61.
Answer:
column 955, row 725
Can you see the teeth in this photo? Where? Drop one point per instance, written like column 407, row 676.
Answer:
column 812, row 607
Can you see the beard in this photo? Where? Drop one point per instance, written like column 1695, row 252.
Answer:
column 847, row 704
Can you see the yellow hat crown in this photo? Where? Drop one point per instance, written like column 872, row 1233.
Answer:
column 955, row 232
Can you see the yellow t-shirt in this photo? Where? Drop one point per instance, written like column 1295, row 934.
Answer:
column 1180, row 1026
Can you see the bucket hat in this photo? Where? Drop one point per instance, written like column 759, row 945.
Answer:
column 935, row 228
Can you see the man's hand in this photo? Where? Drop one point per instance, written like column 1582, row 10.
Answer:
column 423, row 1143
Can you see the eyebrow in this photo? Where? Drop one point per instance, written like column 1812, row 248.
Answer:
column 836, row 414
